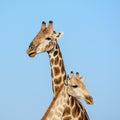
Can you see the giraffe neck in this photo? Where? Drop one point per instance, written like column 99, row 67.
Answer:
column 57, row 106
column 58, row 72
column 65, row 107
column 74, row 110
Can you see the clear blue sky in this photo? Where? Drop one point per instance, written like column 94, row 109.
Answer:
column 90, row 45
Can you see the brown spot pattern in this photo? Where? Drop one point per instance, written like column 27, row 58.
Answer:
column 60, row 54
column 60, row 63
column 72, row 101
column 68, row 102
column 67, row 118
column 57, row 88
column 66, row 111
column 56, row 60
column 57, row 46
column 76, row 110
column 56, row 71
column 55, row 53
column 52, row 61
column 86, row 117
column 80, row 104
column 57, row 81
column 80, row 118
column 62, row 68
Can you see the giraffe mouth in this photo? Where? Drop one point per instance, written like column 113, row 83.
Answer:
column 32, row 54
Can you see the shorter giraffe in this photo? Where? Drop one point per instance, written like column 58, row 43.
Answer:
column 73, row 88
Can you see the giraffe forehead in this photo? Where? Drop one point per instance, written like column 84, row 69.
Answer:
column 75, row 81
column 78, row 83
column 39, row 37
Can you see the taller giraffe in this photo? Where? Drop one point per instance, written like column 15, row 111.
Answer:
column 46, row 41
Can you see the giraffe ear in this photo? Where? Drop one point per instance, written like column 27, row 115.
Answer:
column 82, row 79
column 66, row 80
column 59, row 35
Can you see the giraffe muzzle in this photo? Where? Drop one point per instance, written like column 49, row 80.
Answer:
column 89, row 100
column 32, row 54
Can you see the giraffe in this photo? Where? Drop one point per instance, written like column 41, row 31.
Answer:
column 74, row 89
column 46, row 41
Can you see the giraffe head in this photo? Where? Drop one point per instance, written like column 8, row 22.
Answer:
column 76, row 88
column 44, row 41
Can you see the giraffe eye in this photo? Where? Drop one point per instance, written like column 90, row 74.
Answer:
column 48, row 38
column 74, row 86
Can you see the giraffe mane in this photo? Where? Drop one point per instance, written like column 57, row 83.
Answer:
column 52, row 103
